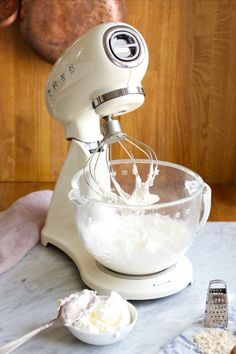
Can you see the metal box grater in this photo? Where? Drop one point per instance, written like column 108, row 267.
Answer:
column 216, row 312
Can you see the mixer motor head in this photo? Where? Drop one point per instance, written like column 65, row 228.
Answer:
column 99, row 75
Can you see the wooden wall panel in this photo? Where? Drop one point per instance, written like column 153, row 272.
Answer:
column 189, row 115
column 32, row 144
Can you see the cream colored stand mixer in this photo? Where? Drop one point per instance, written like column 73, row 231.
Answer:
column 98, row 78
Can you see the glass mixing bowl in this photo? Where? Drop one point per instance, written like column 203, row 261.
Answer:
column 143, row 239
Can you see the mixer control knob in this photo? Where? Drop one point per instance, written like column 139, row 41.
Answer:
column 124, row 46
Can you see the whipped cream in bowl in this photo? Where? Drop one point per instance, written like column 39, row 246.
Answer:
column 97, row 319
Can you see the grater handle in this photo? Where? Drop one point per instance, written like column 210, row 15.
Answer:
column 206, row 201
column 217, row 281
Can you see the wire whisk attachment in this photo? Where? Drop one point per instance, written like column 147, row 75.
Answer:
column 100, row 175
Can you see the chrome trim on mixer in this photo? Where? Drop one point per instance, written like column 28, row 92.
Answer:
column 117, row 93
column 111, row 130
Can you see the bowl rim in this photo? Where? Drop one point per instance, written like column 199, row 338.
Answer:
column 83, row 200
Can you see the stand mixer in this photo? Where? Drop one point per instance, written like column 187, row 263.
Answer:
column 97, row 78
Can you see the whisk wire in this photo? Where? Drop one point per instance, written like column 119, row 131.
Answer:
column 150, row 153
column 126, row 143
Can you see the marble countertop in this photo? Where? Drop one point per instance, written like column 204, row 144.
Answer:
column 28, row 294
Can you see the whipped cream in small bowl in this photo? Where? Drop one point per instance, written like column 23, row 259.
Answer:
column 98, row 320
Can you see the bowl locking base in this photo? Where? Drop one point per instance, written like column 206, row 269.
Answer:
column 140, row 287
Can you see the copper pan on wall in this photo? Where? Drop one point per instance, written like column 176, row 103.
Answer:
column 8, row 12
column 49, row 26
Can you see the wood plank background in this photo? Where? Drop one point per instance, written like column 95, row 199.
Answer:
column 189, row 116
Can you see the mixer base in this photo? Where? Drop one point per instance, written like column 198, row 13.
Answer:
column 144, row 287
column 103, row 280
column 153, row 286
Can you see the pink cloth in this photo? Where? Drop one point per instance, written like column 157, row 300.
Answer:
column 20, row 227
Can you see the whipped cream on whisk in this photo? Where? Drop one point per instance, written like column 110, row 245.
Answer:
column 141, row 194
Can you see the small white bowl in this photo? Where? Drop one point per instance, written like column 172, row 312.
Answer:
column 106, row 338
